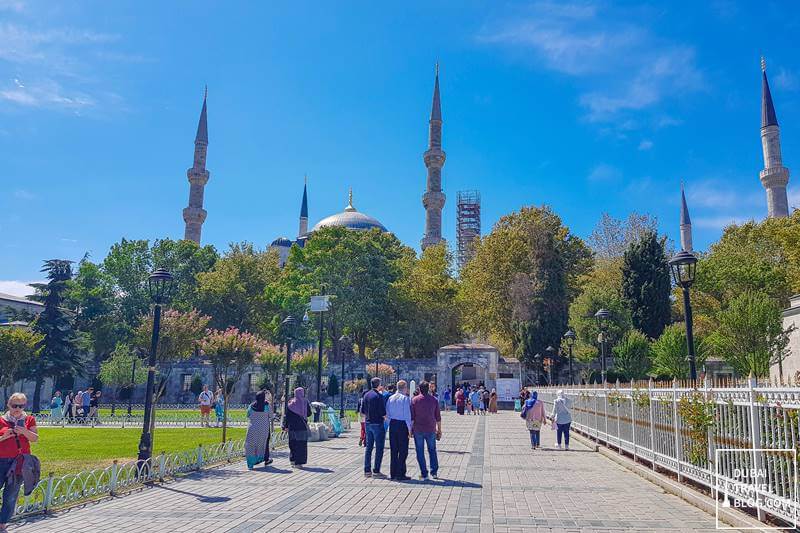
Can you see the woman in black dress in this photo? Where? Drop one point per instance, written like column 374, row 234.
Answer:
column 296, row 423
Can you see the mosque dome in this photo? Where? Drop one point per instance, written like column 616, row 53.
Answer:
column 350, row 218
column 282, row 241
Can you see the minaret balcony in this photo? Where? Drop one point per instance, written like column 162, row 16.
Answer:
column 195, row 215
column 434, row 158
column 774, row 177
column 198, row 176
column 433, row 200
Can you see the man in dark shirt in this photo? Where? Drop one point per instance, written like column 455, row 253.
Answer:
column 373, row 407
column 426, row 424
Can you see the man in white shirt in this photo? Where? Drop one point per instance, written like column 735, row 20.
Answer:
column 398, row 412
column 206, row 398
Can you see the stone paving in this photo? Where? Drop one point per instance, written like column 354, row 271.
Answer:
column 491, row 481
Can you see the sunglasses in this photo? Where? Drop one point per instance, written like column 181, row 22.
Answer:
column 17, row 405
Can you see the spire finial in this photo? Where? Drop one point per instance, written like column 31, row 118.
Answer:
column 437, row 67
column 305, row 179
column 205, row 92
column 350, row 199
column 763, row 64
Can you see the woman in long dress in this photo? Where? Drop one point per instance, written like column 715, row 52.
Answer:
column 493, row 401
column 460, row 401
column 256, row 443
column 296, row 423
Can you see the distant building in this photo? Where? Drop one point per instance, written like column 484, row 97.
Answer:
column 14, row 309
column 791, row 365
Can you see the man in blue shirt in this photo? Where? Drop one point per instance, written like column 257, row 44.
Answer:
column 373, row 407
column 398, row 411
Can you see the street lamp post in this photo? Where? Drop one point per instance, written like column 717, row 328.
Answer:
column 288, row 324
column 569, row 337
column 539, row 364
column 602, row 317
column 376, row 353
column 133, row 380
column 344, row 342
column 159, row 285
column 684, row 267
column 550, row 360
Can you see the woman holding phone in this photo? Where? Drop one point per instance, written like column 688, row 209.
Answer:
column 17, row 431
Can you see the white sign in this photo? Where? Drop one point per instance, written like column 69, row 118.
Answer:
column 319, row 303
column 507, row 389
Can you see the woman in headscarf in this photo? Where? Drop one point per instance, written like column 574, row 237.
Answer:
column 460, row 401
column 296, row 423
column 533, row 413
column 493, row 401
column 562, row 417
column 256, row 443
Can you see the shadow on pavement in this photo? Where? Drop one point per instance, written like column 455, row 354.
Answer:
column 201, row 498
column 317, row 470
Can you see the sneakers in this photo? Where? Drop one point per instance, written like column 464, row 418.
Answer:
column 423, row 478
column 378, row 475
column 435, row 476
column 566, row 446
column 269, row 462
column 559, row 446
column 367, row 474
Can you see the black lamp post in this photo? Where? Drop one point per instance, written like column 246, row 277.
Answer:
column 288, row 324
column 602, row 317
column 539, row 363
column 159, row 286
column 684, row 267
column 550, row 360
column 376, row 353
column 344, row 343
column 570, row 337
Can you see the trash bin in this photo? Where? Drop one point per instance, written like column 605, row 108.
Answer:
column 517, row 404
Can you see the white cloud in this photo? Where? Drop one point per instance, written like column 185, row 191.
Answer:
column 604, row 173
column 17, row 288
column 22, row 194
column 44, row 93
column 624, row 66
column 785, row 80
column 645, row 144
column 719, row 222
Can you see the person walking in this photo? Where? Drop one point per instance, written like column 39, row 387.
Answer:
column 426, row 426
column 94, row 405
column 256, row 442
column 55, row 406
column 533, row 414
column 296, row 423
column 493, row 401
column 398, row 412
column 447, row 397
column 205, row 398
column 86, row 401
column 373, row 408
column 17, row 432
column 68, row 399
column 361, row 418
column 460, row 401
column 474, row 400
column 486, row 397
column 562, row 417
column 219, row 407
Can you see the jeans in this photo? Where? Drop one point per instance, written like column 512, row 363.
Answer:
column 376, row 436
column 420, row 441
column 10, row 491
column 535, row 434
column 563, row 429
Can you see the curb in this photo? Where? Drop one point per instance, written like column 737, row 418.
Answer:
column 705, row 503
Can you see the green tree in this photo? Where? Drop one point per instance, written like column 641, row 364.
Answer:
column 426, row 314
column 230, row 352
column 234, row 292
column 60, row 355
column 273, row 362
column 118, row 371
column 196, row 386
column 304, row 366
column 750, row 335
column 19, row 349
column 632, row 355
column 646, row 285
column 670, row 354
column 509, row 258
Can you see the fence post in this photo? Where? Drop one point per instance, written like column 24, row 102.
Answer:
column 48, row 494
column 114, row 476
column 605, row 409
column 650, row 401
column 633, row 424
column 199, row 456
column 755, row 432
column 676, row 427
column 619, row 420
column 710, row 444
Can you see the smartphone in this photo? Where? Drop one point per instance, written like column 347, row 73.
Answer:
column 21, row 423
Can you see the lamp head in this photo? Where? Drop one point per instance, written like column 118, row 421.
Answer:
column 570, row 337
column 159, row 286
column 684, row 267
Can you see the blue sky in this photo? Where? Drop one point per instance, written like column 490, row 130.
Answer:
column 589, row 107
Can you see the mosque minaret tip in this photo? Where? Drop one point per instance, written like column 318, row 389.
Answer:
column 434, row 156
column 775, row 176
column 194, row 215
column 304, row 210
column 686, row 225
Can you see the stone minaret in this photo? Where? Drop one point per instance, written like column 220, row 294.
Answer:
column 433, row 199
column 195, row 215
column 775, row 176
column 686, row 225
column 304, row 211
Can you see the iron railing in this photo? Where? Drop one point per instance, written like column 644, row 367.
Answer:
column 740, row 442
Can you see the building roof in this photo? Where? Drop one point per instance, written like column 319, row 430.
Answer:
column 282, row 241
column 684, row 210
column 350, row 218
column 202, row 125
column 768, row 117
column 468, row 346
column 304, row 205
column 18, row 299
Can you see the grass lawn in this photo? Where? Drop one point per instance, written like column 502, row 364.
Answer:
column 67, row 450
column 167, row 414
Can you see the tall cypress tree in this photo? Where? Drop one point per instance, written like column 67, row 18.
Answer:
column 60, row 355
column 646, row 285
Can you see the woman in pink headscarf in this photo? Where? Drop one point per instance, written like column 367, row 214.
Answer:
column 296, row 423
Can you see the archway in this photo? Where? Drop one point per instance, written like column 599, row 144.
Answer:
column 469, row 373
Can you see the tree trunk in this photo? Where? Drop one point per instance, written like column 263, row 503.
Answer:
column 37, row 394
column 225, row 410
column 114, row 400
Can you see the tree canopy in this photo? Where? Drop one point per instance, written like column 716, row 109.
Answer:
column 646, row 285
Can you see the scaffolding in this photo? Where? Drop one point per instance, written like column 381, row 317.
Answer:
column 468, row 225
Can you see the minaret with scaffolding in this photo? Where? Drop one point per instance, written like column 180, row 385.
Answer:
column 468, row 225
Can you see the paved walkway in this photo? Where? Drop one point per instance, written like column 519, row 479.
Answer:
column 491, row 481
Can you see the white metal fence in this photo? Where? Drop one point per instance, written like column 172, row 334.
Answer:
column 163, row 419
column 686, row 431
